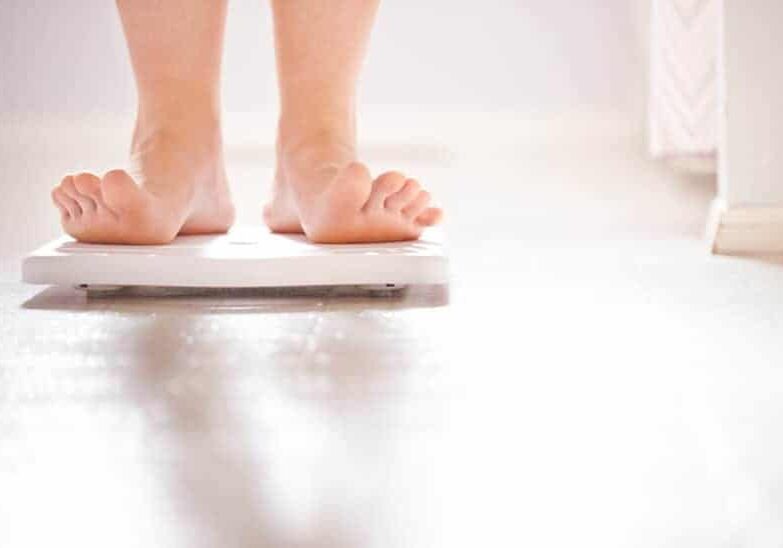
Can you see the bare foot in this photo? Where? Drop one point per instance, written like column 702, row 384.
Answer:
column 176, row 185
column 322, row 191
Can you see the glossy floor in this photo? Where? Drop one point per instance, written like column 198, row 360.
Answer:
column 592, row 377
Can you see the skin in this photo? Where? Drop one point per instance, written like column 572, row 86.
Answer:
column 176, row 182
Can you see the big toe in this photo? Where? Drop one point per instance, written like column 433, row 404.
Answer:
column 356, row 171
column 351, row 188
column 118, row 189
column 384, row 186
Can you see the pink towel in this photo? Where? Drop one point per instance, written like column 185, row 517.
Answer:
column 684, row 78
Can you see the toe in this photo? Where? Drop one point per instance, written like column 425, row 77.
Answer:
column 417, row 205
column 383, row 187
column 86, row 203
column 66, row 202
column 88, row 185
column 118, row 189
column 57, row 201
column 430, row 216
column 357, row 170
column 404, row 196
column 116, row 178
column 356, row 173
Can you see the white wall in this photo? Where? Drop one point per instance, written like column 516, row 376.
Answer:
column 752, row 132
column 524, row 55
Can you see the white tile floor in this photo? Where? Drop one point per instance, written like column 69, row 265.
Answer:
column 591, row 378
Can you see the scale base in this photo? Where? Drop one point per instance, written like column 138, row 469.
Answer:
column 246, row 257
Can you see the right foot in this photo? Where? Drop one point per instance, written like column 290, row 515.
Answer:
column 178, row 186
column 321, row 191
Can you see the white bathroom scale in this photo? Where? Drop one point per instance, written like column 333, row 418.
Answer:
column 246, row 257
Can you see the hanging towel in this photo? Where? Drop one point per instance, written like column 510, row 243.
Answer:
column 683, row 102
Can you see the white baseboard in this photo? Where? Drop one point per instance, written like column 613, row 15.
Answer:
column 745, row 230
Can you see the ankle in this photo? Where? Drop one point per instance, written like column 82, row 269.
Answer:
column 318, row 140
column 330, row 140
column 179, row 108
column 199, row 129
column 306, row 127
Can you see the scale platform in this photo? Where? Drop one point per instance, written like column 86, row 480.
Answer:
column 246, row 257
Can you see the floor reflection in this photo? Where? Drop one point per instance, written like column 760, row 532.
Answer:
column 272, row 430
column 196, row 439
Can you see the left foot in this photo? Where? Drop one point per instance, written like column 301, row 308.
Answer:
column 179, row 187
column 322, row 191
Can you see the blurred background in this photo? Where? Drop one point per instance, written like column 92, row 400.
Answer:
column 532, row 56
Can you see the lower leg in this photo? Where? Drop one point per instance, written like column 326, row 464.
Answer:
column 175, row 48
column 320, row 46
column 319, row 187
column 176, row 182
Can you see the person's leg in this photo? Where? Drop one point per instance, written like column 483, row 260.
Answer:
column 176, row 182
column 320, row 189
